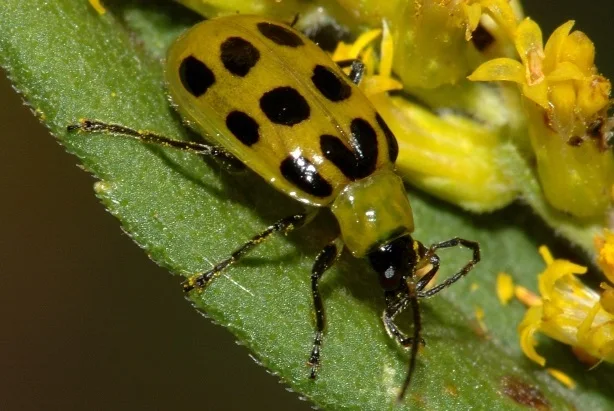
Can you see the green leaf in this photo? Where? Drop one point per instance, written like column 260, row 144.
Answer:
column 69, row 62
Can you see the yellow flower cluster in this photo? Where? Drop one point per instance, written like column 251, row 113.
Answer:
column 448, row 155
column 569, row 311
column 566, row 106
column 561, row 78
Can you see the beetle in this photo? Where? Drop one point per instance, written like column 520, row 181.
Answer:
column 270, row 98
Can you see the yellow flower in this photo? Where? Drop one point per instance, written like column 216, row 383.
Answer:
column 499, row 10
column 561, row 78
column 570, row 312
column 378, row 73
column 605, row 254
column 567, row 104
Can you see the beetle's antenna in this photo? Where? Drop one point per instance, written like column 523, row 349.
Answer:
column 415, row 346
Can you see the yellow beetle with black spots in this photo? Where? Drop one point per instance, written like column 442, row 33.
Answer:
column 267, row 96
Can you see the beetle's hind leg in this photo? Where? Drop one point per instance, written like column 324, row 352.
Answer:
column 324, row 261
column 148, row 137
column 285, row 225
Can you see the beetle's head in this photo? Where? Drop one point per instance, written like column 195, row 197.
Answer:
column 396, row 260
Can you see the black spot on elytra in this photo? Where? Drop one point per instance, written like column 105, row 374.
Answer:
column 238, row 55
column 243, row 127
column 279, row 34
column 195, row 76
column 284, row 105
column 359, row 161
column 329, row 84
column 302, row 173
column 393, row 146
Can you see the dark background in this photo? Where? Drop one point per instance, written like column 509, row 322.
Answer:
column 75, row 334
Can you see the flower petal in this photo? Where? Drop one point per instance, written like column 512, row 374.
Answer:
column 565, row 71
column 580, row 50
column 473, row 12
column 527, row 329
column 502, row 12
column 342, row 52
column 537, row 93
column 555, row 271
column 500, row 69
column 564, row 100
column 351, row 51
column 387, row 51
column 604, row 246
column 546, row 254
column 362, row 41
column 565, row 379
column 584, row 330
column 554, row 45
column 529, row 40
column 527, row 297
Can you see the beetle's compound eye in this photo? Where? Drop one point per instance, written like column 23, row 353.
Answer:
column 394, row 262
